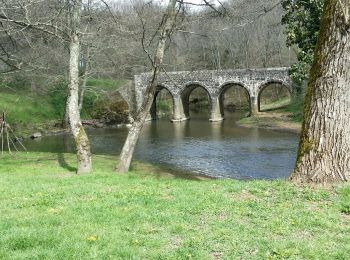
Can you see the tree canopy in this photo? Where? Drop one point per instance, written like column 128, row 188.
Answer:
column 302, row 25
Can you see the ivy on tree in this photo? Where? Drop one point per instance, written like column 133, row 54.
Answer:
column 302, row 21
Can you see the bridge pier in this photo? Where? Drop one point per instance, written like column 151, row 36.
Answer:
column 178, row 110
column 254, row 106
column 215, row 110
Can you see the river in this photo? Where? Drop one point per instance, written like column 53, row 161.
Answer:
column 198, row 146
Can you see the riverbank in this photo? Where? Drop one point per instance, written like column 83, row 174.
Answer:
column 277, row 121
column 283, row 115
column 49, row 212
column 43, row 110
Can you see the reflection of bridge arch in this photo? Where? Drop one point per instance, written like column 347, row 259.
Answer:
column 226, row 86
column 153, row 110
column 269, row 83
column 186, row 93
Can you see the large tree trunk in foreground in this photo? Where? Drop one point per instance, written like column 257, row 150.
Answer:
column 134, row 132
column 80, row 137
column 324, row 149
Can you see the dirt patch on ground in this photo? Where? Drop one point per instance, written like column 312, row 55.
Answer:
column 272, row 121
column 245, row 196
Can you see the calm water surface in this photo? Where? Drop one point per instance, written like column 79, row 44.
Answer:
column 216, row 149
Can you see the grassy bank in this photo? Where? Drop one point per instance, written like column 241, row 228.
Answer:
column 294, row 110
column 279, row 104
column 49, row 213
column 29, row 111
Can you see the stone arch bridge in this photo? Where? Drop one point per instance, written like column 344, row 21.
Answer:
column 215, row 83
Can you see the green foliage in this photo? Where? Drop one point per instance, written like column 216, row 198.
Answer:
column 98, row 106
column 88, row 105
column 58, row 97
column 302, row 21
column 47, row 212
column 164, row 105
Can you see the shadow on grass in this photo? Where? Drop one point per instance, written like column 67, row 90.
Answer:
column 162, row 171
column 63, row 163
column 274, row 108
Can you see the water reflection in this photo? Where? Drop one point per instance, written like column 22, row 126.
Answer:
column 219, row 149
column 179, row 130
column 217, row 130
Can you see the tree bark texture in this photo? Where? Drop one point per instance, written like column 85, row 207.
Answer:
column 169, row 19
column 84, row 78
column 324, row 149
column 80, row 136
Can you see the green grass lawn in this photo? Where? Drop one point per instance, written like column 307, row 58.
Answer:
column 47, row 212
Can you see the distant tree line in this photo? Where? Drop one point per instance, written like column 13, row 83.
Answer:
column 34, row 38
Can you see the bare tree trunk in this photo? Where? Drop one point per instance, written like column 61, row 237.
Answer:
column 65, row 123
column 82, row 92
column 169, row 19
column 84, row 79
column 80, row 137
column 324, row 150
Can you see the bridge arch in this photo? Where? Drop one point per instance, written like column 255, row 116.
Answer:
column 187, row 90
column 228, row 85
column 154, row 108
column 268, row 83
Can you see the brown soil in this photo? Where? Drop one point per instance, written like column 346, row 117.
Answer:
column 272, row 121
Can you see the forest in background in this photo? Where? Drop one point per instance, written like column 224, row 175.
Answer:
column 249, row 34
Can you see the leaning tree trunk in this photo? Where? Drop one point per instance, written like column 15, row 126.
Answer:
column 80, row 137
column 324, row 149
column 134, row 132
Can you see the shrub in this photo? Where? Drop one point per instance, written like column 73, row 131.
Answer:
column 112, row 109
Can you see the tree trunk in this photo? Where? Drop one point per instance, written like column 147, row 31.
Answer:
column 80, row 137
column 82, row 92
column 65, row 122
column 134, row 132
column 324, row 149
column 84, row 79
